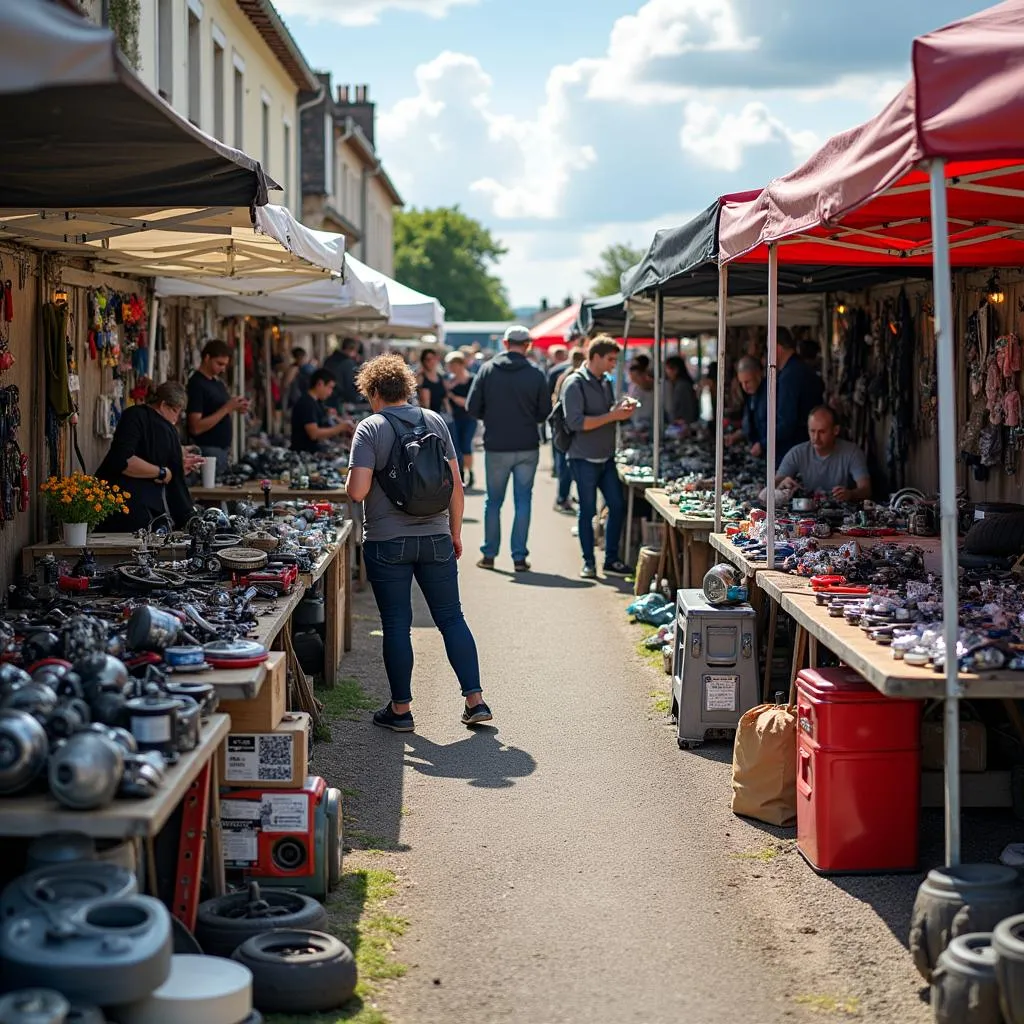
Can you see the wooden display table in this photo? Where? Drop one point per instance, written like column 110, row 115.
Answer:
column 334, row 567
column 105, row 546
column 278, row 492
column 633, row 487
column 695, row 533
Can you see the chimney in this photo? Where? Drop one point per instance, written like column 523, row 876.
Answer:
column 358, row 106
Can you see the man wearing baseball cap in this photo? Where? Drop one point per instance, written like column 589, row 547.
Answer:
column 512, row 398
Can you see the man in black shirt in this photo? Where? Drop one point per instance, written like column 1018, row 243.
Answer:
column 210, row 406
column 312, row 421
column 343, row 364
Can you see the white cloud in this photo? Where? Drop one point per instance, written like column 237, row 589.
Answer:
column 357, row 13
column 722, row 139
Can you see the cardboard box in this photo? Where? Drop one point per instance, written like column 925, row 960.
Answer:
column 277, row 759
column 265, row 711
column 973, row 746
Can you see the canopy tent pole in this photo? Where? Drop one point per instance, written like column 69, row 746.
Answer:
column 154, row 326
column 659, row 317
column 268, row 395
column 723, row 300
column 620, row 369
column 773, row 358
column 947, row 498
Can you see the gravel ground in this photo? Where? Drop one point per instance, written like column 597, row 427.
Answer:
column 570, row 864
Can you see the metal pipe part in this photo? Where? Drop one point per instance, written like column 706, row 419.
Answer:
column 723, row 303
column 942, row 284
column 773, row 360
column 659, row 328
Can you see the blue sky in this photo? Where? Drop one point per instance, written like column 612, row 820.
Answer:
column 565, row 125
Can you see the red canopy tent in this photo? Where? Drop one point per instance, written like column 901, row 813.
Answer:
column 556, row 329
column 946, row 151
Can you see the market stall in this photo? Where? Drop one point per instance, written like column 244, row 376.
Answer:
column 864, row 199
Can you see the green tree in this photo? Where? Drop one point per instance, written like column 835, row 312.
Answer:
column 446, row 254
column 614, row 260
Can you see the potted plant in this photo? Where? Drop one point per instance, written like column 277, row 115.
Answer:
column 79, row 502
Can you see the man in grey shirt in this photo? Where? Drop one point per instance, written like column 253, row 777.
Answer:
column 825, row 463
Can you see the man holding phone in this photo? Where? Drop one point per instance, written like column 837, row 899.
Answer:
column 210, row 405
column 592, row 414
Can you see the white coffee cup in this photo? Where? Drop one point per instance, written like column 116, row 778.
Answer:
column 209, row 471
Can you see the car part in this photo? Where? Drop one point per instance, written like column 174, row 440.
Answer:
column 182, row 657
column 198, row 988
column 204, row 694
column 34, row 1006
column 152, row 629
column 23, row 751
column 143, row 774
column 309, row 649
column 958, row 900
column 100, row 673
column 67, row 719
column 60, row 848
column 225, row 650
column 964, row 988
column 86, row 770
column 239, row 559
column 107, row 952
column 310, row 611
column 152, row 720
column 61, row 885
column 298, row 970
column 36, row 698
column 723, row 584
column 225, row 922
column 80, row 1014
column 1008, row 943
column 335, row 835
column 188, row 724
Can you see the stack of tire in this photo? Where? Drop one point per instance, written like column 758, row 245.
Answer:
column 967, row 940
column 280, row 937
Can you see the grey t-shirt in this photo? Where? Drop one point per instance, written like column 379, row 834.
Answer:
column 843, row 468
column 371, row 446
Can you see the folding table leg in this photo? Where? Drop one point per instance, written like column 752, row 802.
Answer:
column 195, row 808
column 773, row 624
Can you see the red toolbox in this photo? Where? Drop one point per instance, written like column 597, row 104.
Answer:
column 858, row 780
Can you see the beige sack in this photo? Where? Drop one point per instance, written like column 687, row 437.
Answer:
column 646, row 570
column 764, row 765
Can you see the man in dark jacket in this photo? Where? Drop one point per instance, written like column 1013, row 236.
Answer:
column 511, row 396
column 800, row 392
column 342, row 365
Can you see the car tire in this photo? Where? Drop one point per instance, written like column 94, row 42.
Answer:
column 225, row 922
column 298, row 971
column 335, row 843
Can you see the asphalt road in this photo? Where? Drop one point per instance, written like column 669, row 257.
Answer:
column 571, row 864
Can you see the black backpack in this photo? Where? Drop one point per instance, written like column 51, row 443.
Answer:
column 561, row 435
column 417, row 477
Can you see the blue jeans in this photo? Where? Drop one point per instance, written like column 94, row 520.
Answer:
column 590, row 478
column 390, row 568
column 463, row 431
column 564, row 474
column 522, row 467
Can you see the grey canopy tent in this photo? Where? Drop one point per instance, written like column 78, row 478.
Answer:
column 83, row 134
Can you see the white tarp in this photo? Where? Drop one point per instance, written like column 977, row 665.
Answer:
column 411, row 311
column 290, row 299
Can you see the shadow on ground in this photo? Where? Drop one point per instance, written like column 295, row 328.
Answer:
column 481, row 758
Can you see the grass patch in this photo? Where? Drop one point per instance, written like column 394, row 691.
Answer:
column 765, row 855
column 345, row 700
column 849, row 1007
column 653, row 658
column 358, row 916
column 661, row 701
column 357, row 838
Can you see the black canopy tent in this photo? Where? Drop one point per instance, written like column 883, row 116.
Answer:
column 83, row 134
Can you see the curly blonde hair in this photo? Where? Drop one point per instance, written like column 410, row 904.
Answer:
column 388, row 378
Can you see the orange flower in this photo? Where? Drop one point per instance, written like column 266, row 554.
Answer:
column 98, row 507
column 124, row 509
column 67, row 501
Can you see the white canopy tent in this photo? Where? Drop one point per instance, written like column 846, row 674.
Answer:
column 412, row 312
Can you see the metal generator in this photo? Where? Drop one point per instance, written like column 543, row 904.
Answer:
column 714, row 670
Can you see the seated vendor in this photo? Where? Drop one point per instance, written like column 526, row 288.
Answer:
column 146, row 460
column 755, row 406
column 312, row 421
column 825, row 463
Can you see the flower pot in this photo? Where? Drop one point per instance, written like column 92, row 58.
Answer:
column 76, row 535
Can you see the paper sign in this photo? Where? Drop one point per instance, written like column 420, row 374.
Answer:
column 720, row 692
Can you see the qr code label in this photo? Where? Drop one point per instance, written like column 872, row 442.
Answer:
column 260, row 758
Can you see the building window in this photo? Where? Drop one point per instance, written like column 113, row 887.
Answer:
column 265, row 130
column 238, row 102
column 194, row 69
column 165, row 49
column 218, row 89
column 286, row 181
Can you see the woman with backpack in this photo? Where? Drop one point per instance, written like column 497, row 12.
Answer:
column 404, row 469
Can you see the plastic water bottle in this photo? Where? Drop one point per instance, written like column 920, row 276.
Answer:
column 666, row 590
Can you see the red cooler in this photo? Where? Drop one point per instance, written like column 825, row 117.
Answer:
column 858, row 781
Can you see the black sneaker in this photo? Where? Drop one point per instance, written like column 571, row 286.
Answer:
column 485, row 563
column 387, row 719
column 522, row 566
column 617, row 568
column 476, row 715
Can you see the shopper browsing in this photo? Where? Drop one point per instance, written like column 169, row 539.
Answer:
column 312, row 422
column 826, row 464
column 755, row 406
column 463, row 428
column 799, row 391
column 210, row 405
column 511, row 396
column 400, row 546
column 591, row 414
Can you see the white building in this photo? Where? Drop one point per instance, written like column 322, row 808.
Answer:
column 233, row 69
